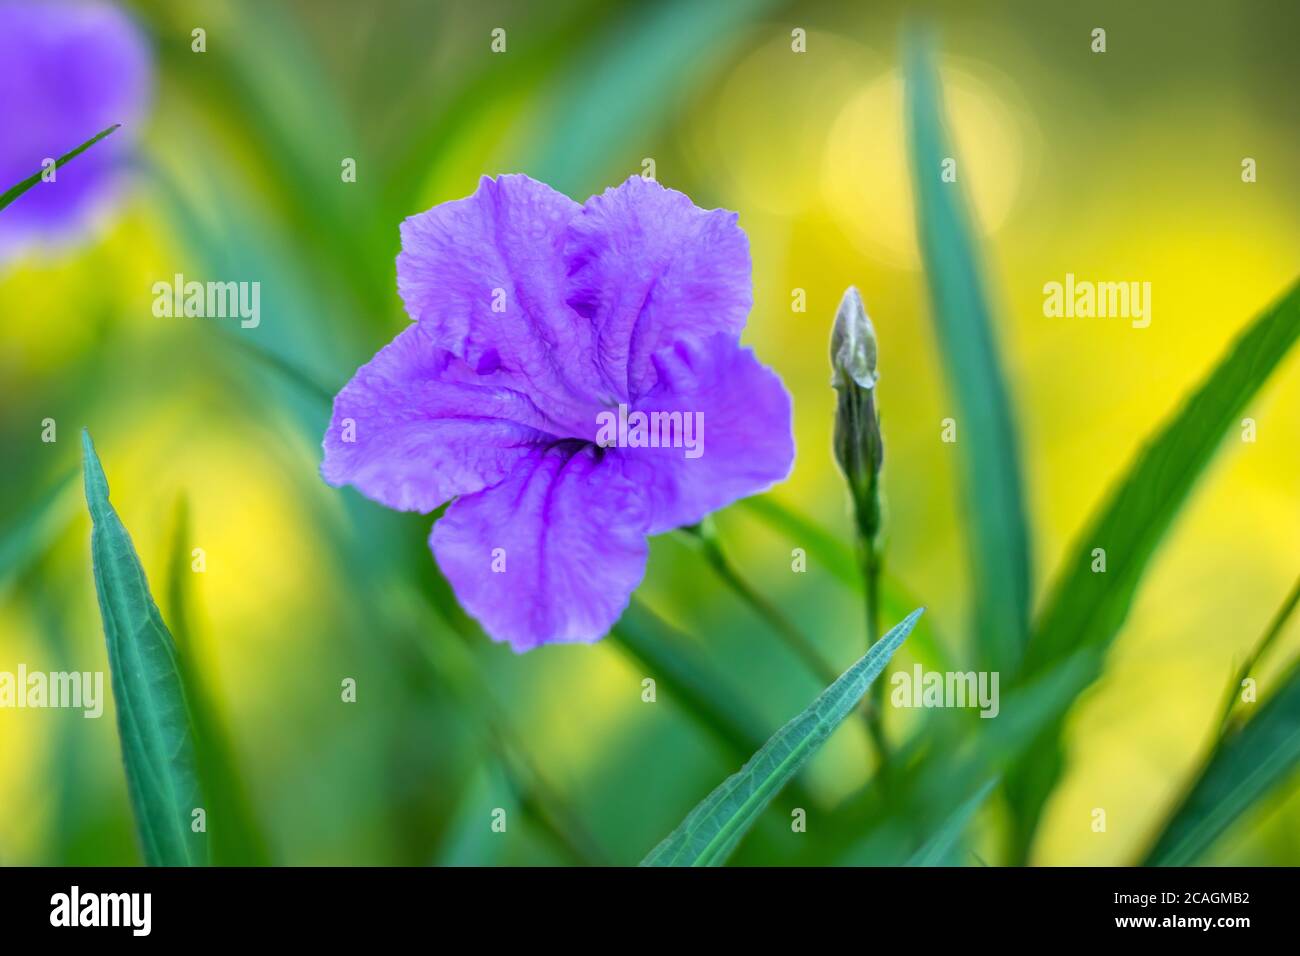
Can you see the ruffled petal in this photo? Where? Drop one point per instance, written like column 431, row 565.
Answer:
column 552, row 554
column 416, row 426
column 486, row 275
column 649, row 268
column 742, row 432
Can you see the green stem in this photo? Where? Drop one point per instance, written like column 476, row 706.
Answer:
column 1261, row 648
column 871, row 590
column 705, row 534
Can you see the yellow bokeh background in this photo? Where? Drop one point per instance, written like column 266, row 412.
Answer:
column 1113, row 167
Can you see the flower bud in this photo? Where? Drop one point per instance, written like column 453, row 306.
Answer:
column 853, row 344
column 858, row 446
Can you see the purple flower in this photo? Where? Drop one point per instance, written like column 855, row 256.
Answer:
column 67, row 71
column 574, row 379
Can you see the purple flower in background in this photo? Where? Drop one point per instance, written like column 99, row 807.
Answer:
column 67, row 71
column 574, row 379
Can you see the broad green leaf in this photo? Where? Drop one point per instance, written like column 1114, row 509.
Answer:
column 1242, row 770
column 153, row 718
column 1086, row 609
column 236, row 839
column 17, row 190
column 711, row 831
column 938, row 849
column 998, row 541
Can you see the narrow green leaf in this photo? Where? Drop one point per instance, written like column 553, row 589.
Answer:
column 1275, row 627
column 34, row 527
column 153, row 717
column 1242, row 769
column 468, row 840
column 951, row 755
column 454, row 664
column 15, row 191
column 688, row 680
column 178, row 570
column 998, row 543
column 711, row 831
column 1087, row 609
column 939, row 847
column 830, row 553
column 648, row 56
column 236, row 839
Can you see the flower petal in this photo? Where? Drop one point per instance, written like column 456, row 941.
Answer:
column 486, row 275
column 416, row 426
column 648, row 267
column 745, row 438
column 551, row 554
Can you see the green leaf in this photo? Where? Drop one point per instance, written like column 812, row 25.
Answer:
column 235, row 835
column 939, row 847
column 950, row 756
column 704, row 536
column 1257, row 653
column 650, row 55
column 1086, row 610
column 15, row 191
column 153, row 717
column 678, row 668
column 711, row 831
column 999, row 540
column 469, row 841
column 34, row 528
column 1242, row 769
column 830, row 553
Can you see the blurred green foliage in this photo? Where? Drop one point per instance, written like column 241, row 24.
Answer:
column 307, row 586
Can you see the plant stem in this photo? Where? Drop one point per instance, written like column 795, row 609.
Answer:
column 871, row 590
column 705, row 534
column 1261, row 648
